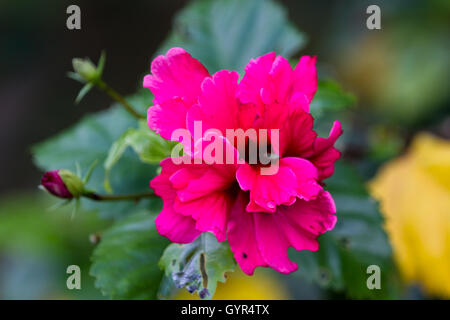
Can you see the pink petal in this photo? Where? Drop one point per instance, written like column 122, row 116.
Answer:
column 203, row 193
column 242, row 237
column 180, row 179
column 272, row 243
column 248, row 114
column 255, row 78
column 304, row 221
column 212, row 179
column 218, row 106
column 325, row 162
column 295, row 226
column 169, row 223
column 281, row 76
column 305, row 77
column 274, row 116
column 297, row 135
column 170, row 115
column 267, row 81
column 327, row 157
column 161, row 183
column 306, row 175
column 321, row 144
column 325, row 154
column 210, row 212
column 263, row 239
column 267, row 191
column 311, row 217
column 299, row 101
column 176, row 227
column 216, row 151
column 175, row 75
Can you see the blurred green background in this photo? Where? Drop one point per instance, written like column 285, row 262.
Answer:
column 399, row 74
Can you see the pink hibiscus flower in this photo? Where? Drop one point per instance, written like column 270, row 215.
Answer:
column 260, row 215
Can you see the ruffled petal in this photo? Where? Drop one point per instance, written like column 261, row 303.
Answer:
column 312, row 218
column 210, row 212
column 273, row 243
column 295, row 226
column 297, row 135
column 299, row 101
column 218, row 107
column 242, row 237
column 255, row 78
column 322, row 144
column 175, row 75
column 305, row 77
column 268, row 236
column 203, row 193
column 176, row 227
column 211, row 179
column 267, row 82
column 267, row 191
column 296, row 177
column 325, row 154
column 278, row 88
column 306, row 176
column 167, row 117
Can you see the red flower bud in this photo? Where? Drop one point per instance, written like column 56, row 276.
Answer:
column 53, row 183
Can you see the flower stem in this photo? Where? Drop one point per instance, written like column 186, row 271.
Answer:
column 116, row 96
column 118, row 197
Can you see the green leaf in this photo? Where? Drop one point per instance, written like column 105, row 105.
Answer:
column 75, row 76
column 228, row 33
column 125, row 263
column 86, row 88
column 149, row 146
column 357, row 241
column 90, row 140
column 330, row 97
column 101, row 63
column 198, row 265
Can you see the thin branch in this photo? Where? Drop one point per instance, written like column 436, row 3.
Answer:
column 116, row 96
column 119, row 197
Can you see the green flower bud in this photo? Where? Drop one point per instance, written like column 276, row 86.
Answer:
column 72, row 182
column 86, row 69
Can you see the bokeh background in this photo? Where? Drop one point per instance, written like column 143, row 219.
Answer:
column 399, row 74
